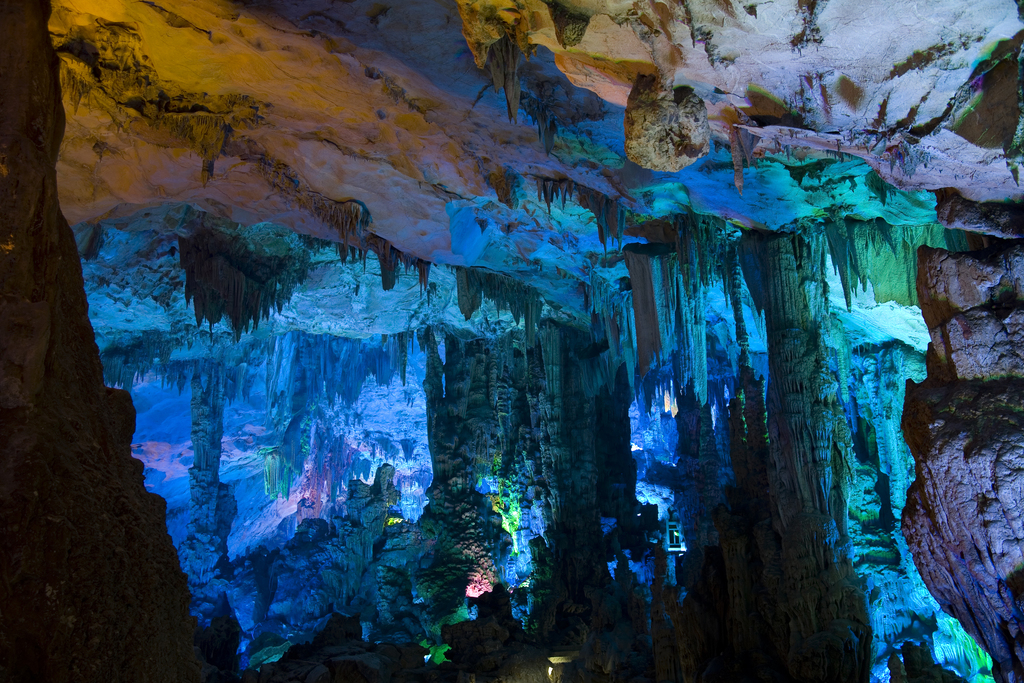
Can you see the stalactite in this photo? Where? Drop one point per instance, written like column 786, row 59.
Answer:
column 547, row 123
column 349, row 218
column 503, row 60
column 507, row 293
column 645, row 310
column 737, row 159
column 130, row 359
column 882, row 255
column 549, row 189
column 610, row 214
column 240, row 272
column 606, row 212
column 748, row 141
column 116, row 77
column 508, row 185
column 391, row 258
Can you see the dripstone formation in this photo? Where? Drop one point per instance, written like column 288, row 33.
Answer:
column 317, row 388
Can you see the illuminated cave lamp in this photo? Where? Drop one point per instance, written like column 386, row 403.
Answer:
column 674, row 537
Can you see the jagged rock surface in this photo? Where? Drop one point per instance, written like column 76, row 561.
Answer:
column 964, row 425
column 88, row 573
column 665, row 131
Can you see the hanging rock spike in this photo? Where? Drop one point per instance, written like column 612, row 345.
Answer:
column 503, row 60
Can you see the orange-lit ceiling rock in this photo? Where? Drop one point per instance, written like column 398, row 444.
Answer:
column 196, row 104
column 286, row 111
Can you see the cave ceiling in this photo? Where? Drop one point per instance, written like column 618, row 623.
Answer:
column 307, row 114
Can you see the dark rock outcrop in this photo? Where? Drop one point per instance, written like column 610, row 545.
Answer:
column 778, row 594
column 89, row 581
column 964, row 425
column 917, row 666
column 218, row 643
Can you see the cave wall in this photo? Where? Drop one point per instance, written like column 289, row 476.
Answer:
column 963, row 424
column 89, row 579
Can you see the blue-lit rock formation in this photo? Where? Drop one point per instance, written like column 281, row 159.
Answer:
column 511, row 340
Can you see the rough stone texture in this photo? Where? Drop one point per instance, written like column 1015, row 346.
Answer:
column 570, row 26
column 988, row 218
column 808, row 474
column 461, row 428
column 88, row 577
column 665, row 131
column 974, row 307
column 777, row 596
column 964, row 424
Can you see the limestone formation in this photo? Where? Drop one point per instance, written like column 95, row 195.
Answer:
column 89, row 575
column 412, row 420
column 665, row 131
column 963, row 425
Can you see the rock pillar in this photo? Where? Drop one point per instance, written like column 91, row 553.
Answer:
column 460, row 431
column 212, row 506
column 809, row 443
column 90, row 587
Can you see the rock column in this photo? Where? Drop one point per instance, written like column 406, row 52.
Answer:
column 460, row 430
column 212, row 506
column 90, row 588
column 829, row 638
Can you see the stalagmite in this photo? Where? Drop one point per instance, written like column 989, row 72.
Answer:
column 809, row 446
column 461, row 427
